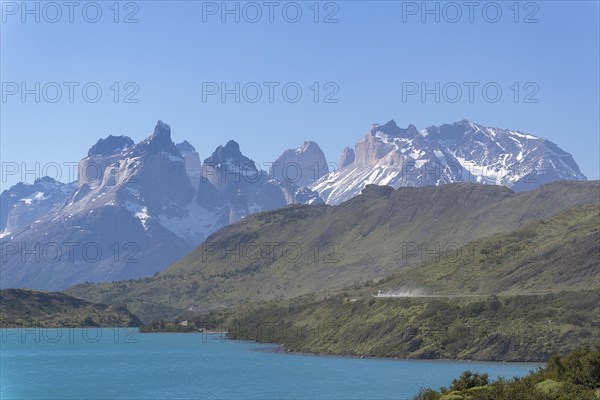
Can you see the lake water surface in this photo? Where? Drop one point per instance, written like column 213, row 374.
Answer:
column 125, row 364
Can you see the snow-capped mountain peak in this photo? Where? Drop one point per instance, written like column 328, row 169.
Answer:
column 463, row 151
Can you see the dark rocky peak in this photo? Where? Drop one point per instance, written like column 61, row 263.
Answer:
column 455, row 131
column 110, row 145
column 301, row 166
column 45, row 180
column 19, row 189
column 392, row 129
column 158, row 142
column 228, row 153
column 47, row 183
column 346, row 158
column 185, row 147
column 24, row 189
column 306, row 196
column 309, row 150
column 309, row 146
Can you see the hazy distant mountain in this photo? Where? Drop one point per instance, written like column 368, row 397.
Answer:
column 505, row 157
column 133, row 211
column 192, row 162
column 458, row 152
column 109, row 227
column 234, row 184
column 24, row 203
column 300, row 166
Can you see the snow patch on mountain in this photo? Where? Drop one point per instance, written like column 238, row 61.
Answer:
column 194, row 224
column 460, row 152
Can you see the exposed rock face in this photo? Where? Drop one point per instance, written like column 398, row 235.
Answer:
column 228, row 171
column 346, row 158
column 301, row 166
column 110, row 145
column 152, row 172
column 274, row 194
column 160, row 178
column 24, row 203
column 390, row 155
column 193, row 165
column 304, row 195
column 380, row 142
column 505, row 157
column 132, row 212
column 121, row 212
column 232, row 183
column 185, row 147
column 459, row 152
column 228, row 178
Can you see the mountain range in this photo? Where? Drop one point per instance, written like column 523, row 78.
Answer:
column 460, row 152
column 137, row 208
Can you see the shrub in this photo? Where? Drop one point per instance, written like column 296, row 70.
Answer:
column 468, row 380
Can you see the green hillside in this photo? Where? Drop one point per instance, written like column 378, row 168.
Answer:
column 535, row 294
column 490, row 328
column 299, row 250
column 547, row 255
column 29, row 308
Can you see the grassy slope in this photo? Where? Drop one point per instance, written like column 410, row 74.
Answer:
column 551, row 254
column 364, row 238
column 508, row 327
column 28, row 308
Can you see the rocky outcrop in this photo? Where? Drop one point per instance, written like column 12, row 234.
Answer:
column 505, row 157
column 300, row 166
column 24, row 203
column 121, row 213
column 191, row 158
column 110, row 145
column 346, row 158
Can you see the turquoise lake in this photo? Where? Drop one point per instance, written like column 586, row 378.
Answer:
column 125, row 364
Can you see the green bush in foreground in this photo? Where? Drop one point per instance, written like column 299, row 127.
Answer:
column 575, row 376
column 469, row 380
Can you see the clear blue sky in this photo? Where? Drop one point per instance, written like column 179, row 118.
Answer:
column 368, row 54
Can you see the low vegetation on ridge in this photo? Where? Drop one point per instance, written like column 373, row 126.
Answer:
column 574, row 376
column 489, row 328
column 23, row 308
